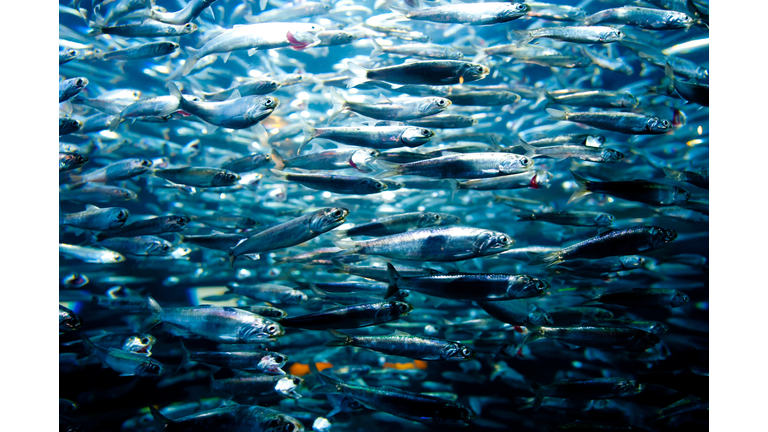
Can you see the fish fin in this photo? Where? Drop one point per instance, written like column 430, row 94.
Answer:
column 185, row 359
column 393, row 277
column 557, row 114
column 339, row 103
column 225, row 56
column 549, row 258
column 279, row 174
column 357, row 74
column 455, row 186
column 671, row 173
column 309, row 134
column 349, row 245
column 235, row 95
column 114, row 122
column 263, row 4
column 530, row 150
column 525, row 37
column 175, row 91
column 377, row 49
column 397, row 9
column 277, row 158
column 539, row 395
column 583, row 189
column 340, row 339
column 252, row 52
column 95, row 29
column 89, row 347
column 159, row 418
column 191, row 61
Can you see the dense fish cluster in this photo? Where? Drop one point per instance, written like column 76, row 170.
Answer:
column 358, row 216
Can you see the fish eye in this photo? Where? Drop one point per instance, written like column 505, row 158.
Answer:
column 425, row 132
column 231, row 177
column 380, row 185
column 504, row 239
column 466, row 352
column 440, row 102
column 273, row 83
column 402, row 307
column 279, row 359
column 524, row 160
column 80, row 82
column 288, row 427
column 436, row 217
column 272, row 329
column 336, row 213
column 268, row 102
column 520, row 7
column 120, row 215
column 464, row 414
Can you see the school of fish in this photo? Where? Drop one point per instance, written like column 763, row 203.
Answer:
column 365, row 215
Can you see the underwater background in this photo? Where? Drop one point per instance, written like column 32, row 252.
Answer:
column 549, row 329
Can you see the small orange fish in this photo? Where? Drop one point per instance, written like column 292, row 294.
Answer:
column 301, row 369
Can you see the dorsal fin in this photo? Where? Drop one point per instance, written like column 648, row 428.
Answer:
column 235, row 95
column 383, row 99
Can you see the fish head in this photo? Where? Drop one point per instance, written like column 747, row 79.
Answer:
column 611, row 35
column 513, row 10
column 628, row 388
column 225, row 178
column 72, row 160
column 514, row 163
column 662, row 236
column 117, row 217
column 526, row 286
column 272, row 363
column 111, row 257
column 123, row 194
column 391, row 310
column 401, row 294
column 679, row 299
column 473, row 71
column 657, row 125
column 186, row 29
column 539, row 316
column 287, row 386
column 457, row 353
column 282, row 423
column 452, row 54
column 604, row 219
column 680, row 195
column 341, row 37
column 75, row 280
column 643, row 340
column 150, row 368
column 272, row 85
column 260, row 331
column 70, row 322
column 611, row 155
column 261, row 108
column 295, row 296
column 139, row 165
column 430, row 219
column 491, row 242
column 433, row 105
column 327, row 219
column 416, row 136
column 631, row 261
column 629, row 101
column 454, row 413
column 679, row 20
column 366, row 185
column 159, row 247
column 80, row 82
column 659, row 328
column 140, row 344
column 174, row 223
column 246, row 223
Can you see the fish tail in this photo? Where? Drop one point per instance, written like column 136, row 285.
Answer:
column 174, row 89
column 340, row 339
column 279, row 174
column 393, row 277
column 555, row 114
column 671, row 173
column 159, row 418
column 350, row 246
column 377, row 49
column 88, row 347
column 186, row 358
column 530, row 150
column 455, row 186
column 539, row 395
column 328, row 385
column 153, row 319
column 535, row 333
column 549, row 258
column 357, row 74
column 309, row 133
column 525, row 37
column 339, row 104
column 397, row 9
column 583, row 189
column 277, row 158
column 232, row 258
column 191, row 61
column 95, row 29
column 114, row 122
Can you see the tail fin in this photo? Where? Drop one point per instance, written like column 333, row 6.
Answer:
column 191, row 61
column 89, row 347
column 350, row 247
column 95, row 29
column 583, row 189
column 328, row 385
column 377, row 49
column 557, row 114
column 549, row 258
column 539, row 395
column 393, row 277
column 159, row 418
column 671, row 174
column 114, row 122
column 340, row 339
column 186, row 358
column 455, row 186
column 397, row 9
column 358, row 74
column 339, row 103
column 309, row 133
column 277, row 158
column 153, row 319
column 525, row 37
column 535, row 333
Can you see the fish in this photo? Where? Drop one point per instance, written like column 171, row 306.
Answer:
column 405, row 345
column 355, row 316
